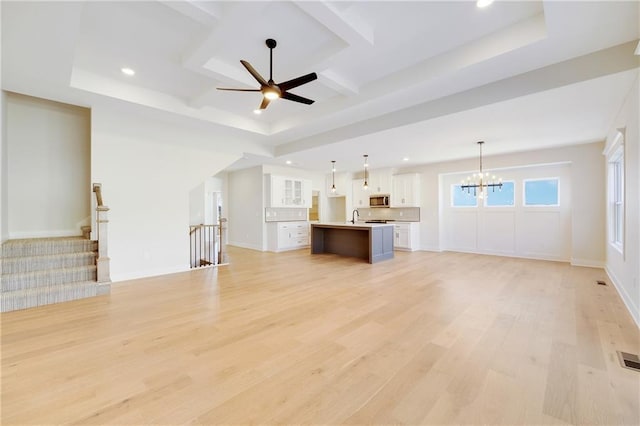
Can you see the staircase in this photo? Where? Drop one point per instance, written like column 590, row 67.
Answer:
column 42, row 271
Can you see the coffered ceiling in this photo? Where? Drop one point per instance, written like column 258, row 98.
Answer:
column 418, row 79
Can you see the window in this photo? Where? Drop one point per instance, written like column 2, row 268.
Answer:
column 617, row 199
column 500, row 197
column 541, row 192
column 460, row 198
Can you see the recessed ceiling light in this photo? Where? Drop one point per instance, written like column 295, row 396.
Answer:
column 127, row 71
column 288, row 161
column 483, row 3
column 405, row 159
column 257, row 111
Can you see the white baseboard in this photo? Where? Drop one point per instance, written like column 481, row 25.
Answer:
column 243, row 245
column 628, row 302
column 589, row 263
column 45, row 234
column 148, row 273
column 287, row 249
column 431, row 248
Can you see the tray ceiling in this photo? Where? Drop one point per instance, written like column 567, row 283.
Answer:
column 383, row 66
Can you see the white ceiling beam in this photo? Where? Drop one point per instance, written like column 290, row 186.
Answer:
column 601, row 63
column 350, row 29
column 206, row 13
column 338, row 83
column 200, row 58
column 109, row 87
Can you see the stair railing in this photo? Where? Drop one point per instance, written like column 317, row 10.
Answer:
column 206, row 245
column 102, row 221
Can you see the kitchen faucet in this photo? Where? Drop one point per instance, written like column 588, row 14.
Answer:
column 353, row 216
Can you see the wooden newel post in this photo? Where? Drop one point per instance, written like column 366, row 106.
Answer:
column 103, row 258
column 102, row 219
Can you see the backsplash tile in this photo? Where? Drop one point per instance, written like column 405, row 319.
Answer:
column 404, row 214
column 285, row 214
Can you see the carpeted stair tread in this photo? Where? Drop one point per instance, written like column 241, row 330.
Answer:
column 41, row 271
column 21, row 264
column 28, row 298
column 46, row 278
column 47, row 246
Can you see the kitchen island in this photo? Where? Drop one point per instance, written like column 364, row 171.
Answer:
column 370, row 241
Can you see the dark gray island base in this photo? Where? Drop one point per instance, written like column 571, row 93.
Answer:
column 372, row 242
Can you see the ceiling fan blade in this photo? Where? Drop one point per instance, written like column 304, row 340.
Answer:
column 295, row 98
column 290, row 84
column 254, row 73
column 265, row 103
column 238, row 90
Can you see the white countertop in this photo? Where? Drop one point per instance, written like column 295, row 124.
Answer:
column 360, row 224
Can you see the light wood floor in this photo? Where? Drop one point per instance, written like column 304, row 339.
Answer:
column 425, row 338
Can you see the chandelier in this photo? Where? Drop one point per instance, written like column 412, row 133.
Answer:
column 480, row 182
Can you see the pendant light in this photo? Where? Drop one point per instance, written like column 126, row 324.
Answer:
column 365, row 186
column 480, row 182
column 333, row 176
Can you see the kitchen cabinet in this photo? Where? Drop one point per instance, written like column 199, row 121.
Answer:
column 360, row 195
column 406, row 236
column 380, row 182
column 341, row 185
column 287, row 235
column 288, row 192
column 406, row 190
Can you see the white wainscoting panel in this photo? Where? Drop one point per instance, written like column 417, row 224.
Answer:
column 462, row 230
column 542, row 234
column 497, row 231
column 518, row 231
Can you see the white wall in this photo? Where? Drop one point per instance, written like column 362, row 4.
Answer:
column 519, row 231
column 4, row 170
column 624, row 268
column 587, row 195
column 4, row 164
column 49, row 179
column 148, row 169
column 197, row 205
column 246, row 202
column 201, row 201
column 246, row 208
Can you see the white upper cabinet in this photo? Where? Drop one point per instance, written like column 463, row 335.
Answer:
column 406, row 190
column 380, row 182
column 360, row 196
column 289, row 192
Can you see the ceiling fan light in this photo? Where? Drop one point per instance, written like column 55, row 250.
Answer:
column 271, row 94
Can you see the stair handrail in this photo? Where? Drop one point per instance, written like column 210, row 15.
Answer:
column 102, row 220
column 97, row 188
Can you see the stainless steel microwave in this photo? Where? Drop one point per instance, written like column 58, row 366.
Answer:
column 379, row 200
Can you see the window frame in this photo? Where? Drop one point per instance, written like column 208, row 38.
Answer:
column 484, row 204
column 617, row 199
column 537, row 206
column 456, row 187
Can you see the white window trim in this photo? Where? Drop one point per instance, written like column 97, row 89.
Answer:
column 614, row 154
column 537, row 206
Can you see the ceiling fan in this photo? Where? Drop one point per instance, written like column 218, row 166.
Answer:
column 270, row 90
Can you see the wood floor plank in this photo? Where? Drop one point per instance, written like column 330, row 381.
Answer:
column 291, row 338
